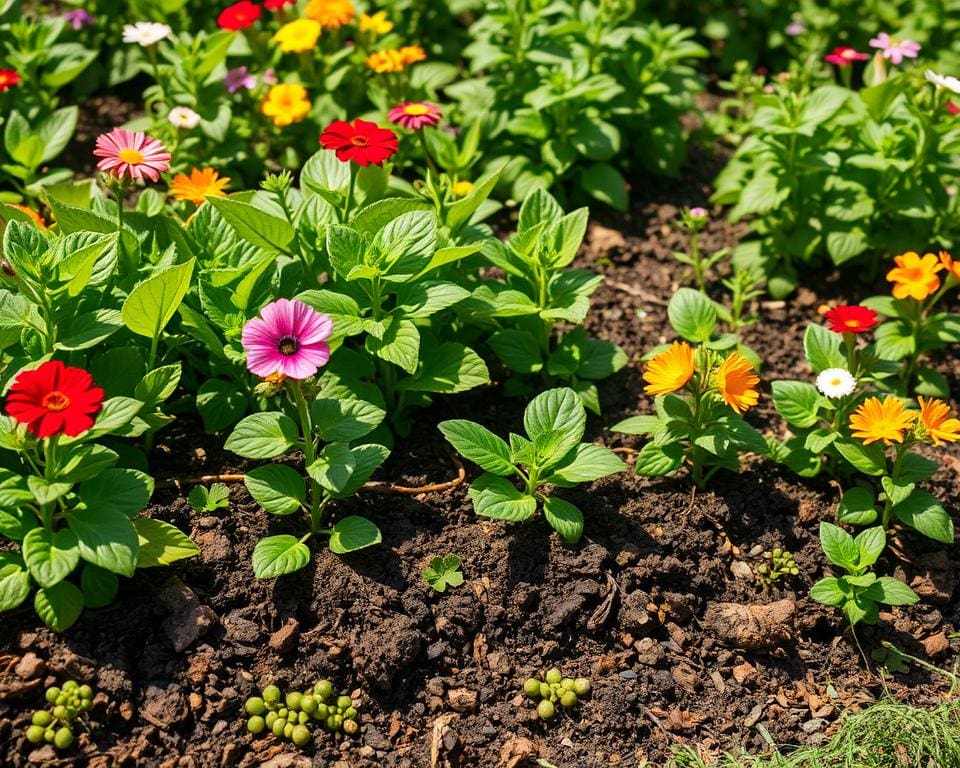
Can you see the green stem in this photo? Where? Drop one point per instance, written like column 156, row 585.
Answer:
column 696, row 469
column 349, row 201
column 309, row 452
column 697, row 260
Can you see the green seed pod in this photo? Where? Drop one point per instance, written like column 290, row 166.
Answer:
column 349, row 713
column 63, row 739
column 567, row 683
column 278, row 725
column 581, row 686
column 61, row 699
column 569, row 699
column 323, row 689
column 48, row 735
column 554, row 676
column 86, row 705
column 532, row 688
column 351, row 727
column 554, row 698
column 42, row 718
column 293, row 700
column 546, row 710
column 283, row 712
column 544, row 691
column 70, row 685
column 288, row 730
column 271, row 719
column 52, row 694
column 332, row 723
column 35, row 734
column 271, row 694
column 344, row 701
column 60, row 712
column 303, row 718
column 255, row 706
column 256, row 724
column 308, row 704
column 323, row 712
column 86, row 692
column 300, row 735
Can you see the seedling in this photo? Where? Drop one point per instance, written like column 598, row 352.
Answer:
column 204, row 499
column 55, row 724
column 443, row 572
column 555, row 689
column 781, row 564
column 291, row 716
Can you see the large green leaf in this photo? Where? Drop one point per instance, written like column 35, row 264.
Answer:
column 162, row 543
column 564, row 518
column 107, row 539
column 556, row 418
column 257, row 227
column 353, row 533
column 479, row 445
column 59, row 606
column 152, row 303
column 278, row 555
column 50, row 556
column 692, row 315
column 263, row 435
column 497, row 497
column 279, row 489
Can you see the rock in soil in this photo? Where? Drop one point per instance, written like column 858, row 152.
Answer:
column 751, row 627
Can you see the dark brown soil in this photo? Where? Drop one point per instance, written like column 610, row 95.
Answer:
column 636, row 605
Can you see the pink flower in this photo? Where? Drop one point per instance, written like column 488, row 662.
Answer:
column 844, row 55
column 415, row 114
column 895, row 51
column 795, row 28
column 130, row 154
column 699, row 213
column 78, row 18
column 288, row 340
column 239, row 78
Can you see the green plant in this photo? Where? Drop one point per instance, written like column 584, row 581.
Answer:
column 56, row 724
column 781, row 565
column 206, row 500
column 550, row 455
column 443, row 572
column 291, row 716
column 555, row 689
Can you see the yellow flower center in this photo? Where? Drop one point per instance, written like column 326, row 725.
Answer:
column 55, row 401
column 131, row 156
column 416, row 110
column 835, row 382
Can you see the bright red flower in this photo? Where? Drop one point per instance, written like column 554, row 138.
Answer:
column 363, row 142
column 239, row 15
column 952, row 108
column 276, row 5
column 8, row 79
column 851, row 319
column 54, row 399
column 844, row 55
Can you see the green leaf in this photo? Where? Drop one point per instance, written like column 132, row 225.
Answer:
column 353, row 533
column 277, row 488
column 655, row 460
column 798, row 402
column 158, row 385
column 117, row 491
column 916, row 469
column 99, row 587
column 427, row 297
column 204, row 499
column 932, row 383
column 44, row 492
column 828, row 592
column 692, row 315
column 80, row 462
column 564, row 518
column 278, row 555
column 154, row 302
column 555, row 417
column 479, row 445
column 334, row 467
column 343, row 420
column 896, row 492
column 895, row 340
column 59, row 606
column 585, row 463
column 857, row 507
column 263, row 435
column 448, row 367
column 117, row 413
column 366, row 459
column 637, row 425
column 866, row 458
column 870, row 544
column 923, row 512
column 604, row 182
column 822, row 348
column 895, row 592
column 443, row 572
column 400, row 344
column 839, row 546
column 162, row 543
column 14, row 585
column 220, row 404
column 107, row 539
column 50, row 556
column 90, row 329
column 255, row 226
column 519, row 350
column 498, row 498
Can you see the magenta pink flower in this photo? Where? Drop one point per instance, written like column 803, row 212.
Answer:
column 415, row 114
column 288, row 340
column 238, row 78
column 131, row 155
column 844, row 55
column 895, row 51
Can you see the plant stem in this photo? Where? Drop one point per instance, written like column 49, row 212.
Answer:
column 309, row 451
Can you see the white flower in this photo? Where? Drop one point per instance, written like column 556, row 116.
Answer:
column 183, row 117
column 146, row 33
column 836, row 382
column 943, row 81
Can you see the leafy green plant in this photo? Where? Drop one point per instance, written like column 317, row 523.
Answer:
column 780, row 564
column 550, row 455
column 206, row 500
column 443, row 572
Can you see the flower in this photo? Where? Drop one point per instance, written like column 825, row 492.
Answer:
column 198, row 186
column 285, row 104
column 54, row 399
column 952, row 108
column 385, row 61
column 411, row 54
column 844, row 55
column 946, row 82
column 877, row 419
column 78, row 18
column 795, row 29
column 698, row 213
column 836, row 382
column 461, row 188
column 276, row 5
column 183, row 117
column 377, row 23
column 34, row 216
column 130, row 154
column 415, row 114
column 332, row 14
column 895, row 51
column 934, row 422
column 952, row 267
column 8, row 79
column 146, row 33
column 289, row 338
column 851, row 319
column 736, row 380
column 363, row 142
column 914, row 276
column 237, row 78
column 239, row 15
column 670, row 370
column 298, row 36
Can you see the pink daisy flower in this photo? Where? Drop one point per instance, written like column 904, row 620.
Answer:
column 288, row 340
column 130, row 154
column 844, row 55
column 415, row 114
column 895, row 51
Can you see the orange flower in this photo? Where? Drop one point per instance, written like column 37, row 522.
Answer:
column 385, row 61
column 951, row 266
column 198, row 186
column 935, row 421
column 332, row 14
column 914, row 276
column 877, row 419
column 411, row 54
column 670, row 370
column 35, row 217
column 736, row 382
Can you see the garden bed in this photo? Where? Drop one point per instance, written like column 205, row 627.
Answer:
column 633, row 605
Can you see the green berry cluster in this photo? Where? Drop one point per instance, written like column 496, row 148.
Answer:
column 781, row 565
column 292, row 717
column 554, row 689
column 55, row 724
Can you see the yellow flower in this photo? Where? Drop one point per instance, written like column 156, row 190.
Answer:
column 385, row 61
column 377, row 23
column 286, row 104
column 462, row 188
column 736, row 382
column 198, row 186
column 914, row 276
column 951, row 266
column 411, row 54
column 935, row 422
column 298, row 36
column 332, row 14
column 884, row 420
column 670, row 370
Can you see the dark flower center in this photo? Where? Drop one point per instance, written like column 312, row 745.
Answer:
column 55, row 401
column 288, row 345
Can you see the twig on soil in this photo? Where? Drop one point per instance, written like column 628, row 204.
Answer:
column 656, row 721
column 632, row 290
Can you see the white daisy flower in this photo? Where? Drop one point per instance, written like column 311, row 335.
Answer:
column 836, row 382
column 183, row 117
column 943, row 81
column 146, row 33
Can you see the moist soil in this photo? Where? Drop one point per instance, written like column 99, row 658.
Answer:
column 638, row 605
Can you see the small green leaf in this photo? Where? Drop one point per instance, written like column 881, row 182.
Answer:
column 656, row 460
column 866, row 458
column 692, row 315
column 498, row 498
column 564, row 518
column 154, row 302
column 353, row 533
column 798, row 402
column 585, row 463
column 50, row 556
column 857, row 507
column 557, row 416
column 279, row 489
column 105, row 538
column 162, row 543
column 895, row 592
column 479, row 445
column 839, row 546
column 263, row 435
column 99, row 587
column 278, row 555
column 923, row 512
column 334, row 467
column 59, row 606
column 822, row 348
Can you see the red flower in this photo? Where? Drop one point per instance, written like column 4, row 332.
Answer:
column 362, row 142
column 55, row 399
column 851, row 319
column 8, row 79
column 276, row 5
column 844, row 55
column 952, row 108
column 239, row 15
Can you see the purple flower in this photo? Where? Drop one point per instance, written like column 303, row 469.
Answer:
column 269, row 77
column 288, row 340
column 895, row 51
column 79, row 18
column 795, row 29
column 698, row 213
column 239, row 78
